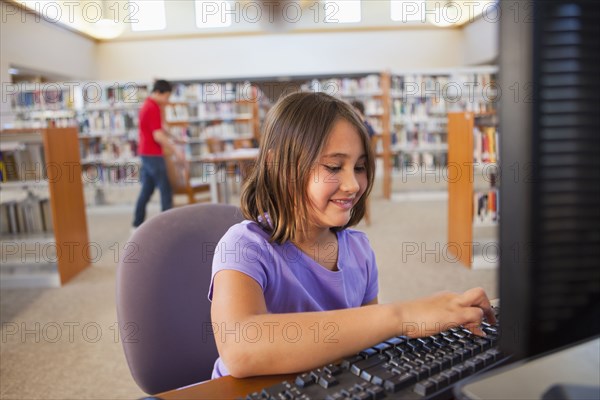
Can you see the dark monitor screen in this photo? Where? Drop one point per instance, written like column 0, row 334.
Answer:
column 550, row 183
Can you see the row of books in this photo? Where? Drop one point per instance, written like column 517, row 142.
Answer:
column 485, row 144
column 108, row 122
column 427, row 160
column 212, row 92
column 418, row 108
column 224, row 130
column 485, row 206
column 129, row 93
column 26, row 216
column 454, row 87
column 207, row 111
column 51, row 98
column 22, row 162
column 420, row 138
column 122, row 174
column 103, row 149
column 418, row 84
column 346, row 87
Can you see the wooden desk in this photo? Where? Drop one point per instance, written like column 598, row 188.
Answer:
column 224, row 388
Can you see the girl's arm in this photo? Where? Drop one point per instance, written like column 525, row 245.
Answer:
column 253, row 342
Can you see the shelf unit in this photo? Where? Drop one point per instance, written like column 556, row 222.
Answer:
column 408, row 110
column 420, row 103
column 52, row 164
column 472, row 157
column 213, row 114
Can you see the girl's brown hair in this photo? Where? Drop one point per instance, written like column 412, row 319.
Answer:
column 295, row 132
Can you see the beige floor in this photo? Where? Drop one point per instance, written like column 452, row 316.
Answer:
column 61, row 343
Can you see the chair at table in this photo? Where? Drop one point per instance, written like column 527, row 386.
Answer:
column 162, row 305
column 182, row 184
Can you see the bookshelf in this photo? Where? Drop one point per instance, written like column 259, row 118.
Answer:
column 472, row 187
column 42, row 206
column 408, row 110
column 213, row 115
column 420, row 103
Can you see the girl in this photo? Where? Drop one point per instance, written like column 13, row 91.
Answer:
column 293, row 288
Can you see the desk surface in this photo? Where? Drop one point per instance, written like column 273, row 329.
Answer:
column 224, row 388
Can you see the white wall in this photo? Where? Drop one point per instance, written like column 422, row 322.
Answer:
column 40, row 45
column 280, row 54
column 481, row 41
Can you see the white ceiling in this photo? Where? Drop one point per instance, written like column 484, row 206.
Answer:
column 252, row 16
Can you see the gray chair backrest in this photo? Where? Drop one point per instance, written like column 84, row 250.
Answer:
column 162, row 305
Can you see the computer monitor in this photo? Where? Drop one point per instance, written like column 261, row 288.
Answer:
column 549, row 114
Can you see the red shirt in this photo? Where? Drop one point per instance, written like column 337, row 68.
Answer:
column 150, row 121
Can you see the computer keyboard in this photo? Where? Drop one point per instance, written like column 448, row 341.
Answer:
column 398, row 368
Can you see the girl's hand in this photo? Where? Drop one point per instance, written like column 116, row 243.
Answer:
column 442, row 311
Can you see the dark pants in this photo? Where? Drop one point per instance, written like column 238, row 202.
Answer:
column 153, row 173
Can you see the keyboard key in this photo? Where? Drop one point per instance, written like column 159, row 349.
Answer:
column 425, row 388
column 369, row 373
column 336, row 396
column 332, row 369
column 487, row 358
column 379, row 377
column 450, row 360
column 399, row 382
column 382, row 347
column 275, row 390
column 316, row 373
column 395, row 341
column 377, row 392
column 440, row 381
column 366, row 353
column 362, row 396
column 452, row 376
column 393, row 353
column 483, row 343
column 327, row 381
column 420, row 372
column 305, row 380
column 464, row 354
column 359, row 366
column 347, row 363
column 462, row 370
column 496, row 353
column 433, row 366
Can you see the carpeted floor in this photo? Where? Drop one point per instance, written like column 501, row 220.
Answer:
column 61, row 343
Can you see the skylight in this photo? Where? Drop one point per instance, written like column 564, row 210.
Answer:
column 342, row 11
column 147, row 15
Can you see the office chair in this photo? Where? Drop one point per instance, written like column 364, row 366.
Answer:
column 162, row 287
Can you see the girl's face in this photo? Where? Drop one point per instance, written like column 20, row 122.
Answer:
column 339, row 179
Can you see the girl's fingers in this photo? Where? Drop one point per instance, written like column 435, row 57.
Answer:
column 476, row 297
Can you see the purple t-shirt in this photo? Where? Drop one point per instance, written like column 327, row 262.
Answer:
column 292, row 281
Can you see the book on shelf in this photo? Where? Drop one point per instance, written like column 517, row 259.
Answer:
column 109, row 122
column 27, row 215
column 131, row 93
column 485, row 207
column 212, row 92
column 368, row 85
column 485, row 144
column 22, row 162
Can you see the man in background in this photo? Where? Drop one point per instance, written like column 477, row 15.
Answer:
column 360, row 108
column 154, row 142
